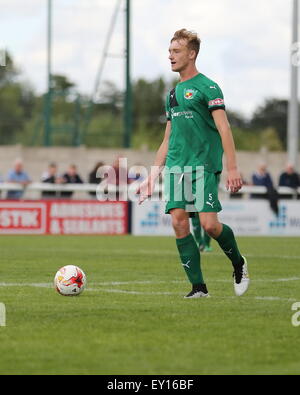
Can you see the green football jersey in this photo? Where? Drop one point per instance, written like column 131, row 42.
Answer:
column 194, row 140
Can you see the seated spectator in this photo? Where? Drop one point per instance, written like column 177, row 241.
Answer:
column 93, row 179
column 71, row 177
column 17, row 176
column 119, row 173
column 118, row 176
column 136, row 173
column 51, row 177
column 289, row 178
column 263, row 178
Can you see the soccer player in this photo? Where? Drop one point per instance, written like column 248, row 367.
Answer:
column 202, row 238
column 197, row 133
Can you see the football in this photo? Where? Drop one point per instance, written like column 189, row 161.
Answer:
column 70, row 281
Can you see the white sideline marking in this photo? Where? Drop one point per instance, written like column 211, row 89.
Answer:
column 149, row 282
column 36, row 285
column 122, row 291
column 269, row 298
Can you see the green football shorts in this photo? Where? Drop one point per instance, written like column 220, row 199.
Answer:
column 193, row 192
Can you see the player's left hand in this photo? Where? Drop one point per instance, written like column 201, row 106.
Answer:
column 234, row 181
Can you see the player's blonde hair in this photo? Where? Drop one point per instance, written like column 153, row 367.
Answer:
column 193, row 41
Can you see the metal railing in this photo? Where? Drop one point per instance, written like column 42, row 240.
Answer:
column 35, row 189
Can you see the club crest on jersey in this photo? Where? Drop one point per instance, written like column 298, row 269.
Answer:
column 189, row 94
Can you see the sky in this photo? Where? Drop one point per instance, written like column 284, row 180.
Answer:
column 245, row 44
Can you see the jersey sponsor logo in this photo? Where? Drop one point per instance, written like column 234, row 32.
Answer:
column 189, row 94
column 186, row 114
column 216, row 102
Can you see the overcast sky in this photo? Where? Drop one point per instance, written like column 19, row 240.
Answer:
column 245, row 44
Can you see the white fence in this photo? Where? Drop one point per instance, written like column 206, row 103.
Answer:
column 34, row 190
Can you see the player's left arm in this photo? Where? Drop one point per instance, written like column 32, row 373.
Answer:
column 234, row 180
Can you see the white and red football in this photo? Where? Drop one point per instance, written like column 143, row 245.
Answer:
column 70, row 281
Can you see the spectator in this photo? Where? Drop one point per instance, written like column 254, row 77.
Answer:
column 118, row 176
column 51, row 177
column 17, row 176
column 289, row 178
column 136, row 173
column 263, row 178
column 71, row 177
column 93, row 179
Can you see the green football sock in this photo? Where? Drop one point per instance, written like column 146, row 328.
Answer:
column 207, row 239
column 228, row 244
column 197, row 230
column 190, row 258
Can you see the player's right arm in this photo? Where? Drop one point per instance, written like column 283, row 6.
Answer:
column 146, row 188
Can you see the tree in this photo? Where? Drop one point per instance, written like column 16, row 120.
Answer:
column 61, row 84
column 237, row 120
column 272, row 114
column 149, row 101
column 16, row 103
column 9, row 72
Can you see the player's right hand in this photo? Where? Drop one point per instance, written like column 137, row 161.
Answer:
column 234, row 181
column 145, row 190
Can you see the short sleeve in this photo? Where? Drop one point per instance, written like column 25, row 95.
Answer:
column 214, row 97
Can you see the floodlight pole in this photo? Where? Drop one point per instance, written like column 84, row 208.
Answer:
column 293, row 109
column 48, row 101
column 128, row 93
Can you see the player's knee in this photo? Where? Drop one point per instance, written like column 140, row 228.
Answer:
column 180, row 225
column 210, row 228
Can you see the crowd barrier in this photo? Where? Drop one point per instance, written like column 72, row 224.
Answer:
column 247, row 217
column 37, row 188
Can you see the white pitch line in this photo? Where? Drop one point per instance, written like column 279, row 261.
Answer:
column 146, row 282
column 36, row 285
column 134, row 292
column 269, row 298
column 152, row 293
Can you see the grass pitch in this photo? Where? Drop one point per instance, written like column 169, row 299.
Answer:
column 132, row 318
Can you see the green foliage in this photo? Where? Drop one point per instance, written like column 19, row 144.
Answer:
column 272, row 114
column 105, row 131
column 254, row 140
column 100, row 124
